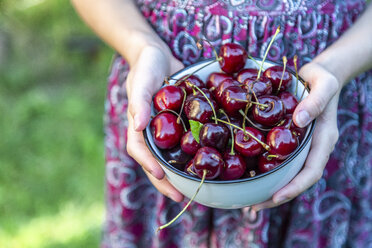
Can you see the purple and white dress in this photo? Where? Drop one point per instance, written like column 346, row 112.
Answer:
column 335, row 212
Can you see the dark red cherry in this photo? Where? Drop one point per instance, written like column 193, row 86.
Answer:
column 188, row 143
column 168, row 97
column 260, row 87
column 233, row 99
column 197, row 108
column 236, row 120
column 272, row 113
column 233, row 57
column 275, row 73
column 246, row 145
column 208, row 158
column 215, row 79
column 189, row 168
column 282, row 142
column 287, row 122
column 266, row 163
column 166, row 131
column 223, row 85
column 214, row 135
column 176, row 157
column 234, row 167
column 289, row 100
column 206, row 92
column 247, row 73
column 193, row 79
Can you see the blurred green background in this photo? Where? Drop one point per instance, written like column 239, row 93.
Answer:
column 53, row 72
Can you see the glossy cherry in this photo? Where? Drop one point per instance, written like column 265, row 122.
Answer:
column 247, row 73
column 267, row 163
column 287, row 122
column 215, row 79
column 176, row 157
column 166, row 130
column 260, row 87
column 208, row 158
column 270, row 115
column 188, row 143
column 233, row 57
column 246, row 145
column 223, row 85
column 192, row 79
column 197, row 108
column 189, row 168
column 169, row 97
column 214, row 135
column 234, row 167
column 289, row 100
column 282, row 142
column 275, row 73
column 233, row 99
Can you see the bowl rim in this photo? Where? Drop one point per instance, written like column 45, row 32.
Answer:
column 166, row 165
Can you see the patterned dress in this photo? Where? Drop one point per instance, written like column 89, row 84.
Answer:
column 335, row 212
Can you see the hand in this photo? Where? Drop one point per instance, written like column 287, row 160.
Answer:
column 321, row 103
column 145, row 77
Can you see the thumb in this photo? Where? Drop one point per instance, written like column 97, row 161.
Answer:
column 323, row 87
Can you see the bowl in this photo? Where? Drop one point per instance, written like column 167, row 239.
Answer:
column 237, row 193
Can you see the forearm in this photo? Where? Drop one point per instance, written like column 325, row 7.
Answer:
column 351, row 54
column 120, row 24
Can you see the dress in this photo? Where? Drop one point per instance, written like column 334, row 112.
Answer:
column 335, row 212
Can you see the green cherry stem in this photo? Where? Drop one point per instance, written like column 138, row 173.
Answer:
column 200, row 46
column 231, row 131
column 187, row 205
column 178, row 119
column 251, row 122
column 254, row 60
column 295, row 66
column 281, row 79
column 205, row 96
column 249, row 134
column 267, row 51
column 183, row 103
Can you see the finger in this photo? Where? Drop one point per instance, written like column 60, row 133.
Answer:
column 137, row 149
column 267, row 204
column 164, row 187
column 324, row 139
column 323, row 87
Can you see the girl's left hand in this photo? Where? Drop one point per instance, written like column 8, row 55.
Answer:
column 321, row 103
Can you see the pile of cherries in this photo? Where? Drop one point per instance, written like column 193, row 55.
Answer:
column 235, row 125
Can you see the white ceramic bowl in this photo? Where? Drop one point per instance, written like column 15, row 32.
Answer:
column 241, row 192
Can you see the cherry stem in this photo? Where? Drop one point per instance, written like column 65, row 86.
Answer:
column 191, row 171
column 205, row 96
column 245, row 112
column 254, row 93
column 251, row 135
column 178, row 119
column 254, row 60
column 295, row 66
column 232, row 132
column 252, row 123
column 252, row 173
column 247, row 101
column 271, row 156
column 174, row 162
column 187, row 205
column 281, row 79
column 303, row 92
column 267, row 51
column 200, row 46
column 183, row 103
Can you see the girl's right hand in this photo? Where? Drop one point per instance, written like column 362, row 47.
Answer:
column 146, row 75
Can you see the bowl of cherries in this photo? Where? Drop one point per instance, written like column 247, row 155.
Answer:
column 222, row 129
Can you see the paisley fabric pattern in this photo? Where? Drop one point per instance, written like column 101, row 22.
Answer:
column 335, row 212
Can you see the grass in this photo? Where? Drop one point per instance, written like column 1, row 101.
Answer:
column 52, row 86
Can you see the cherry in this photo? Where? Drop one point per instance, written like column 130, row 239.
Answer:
column 188, row 143
column 267, row 163
column 246, row 145
column 233, row 57
column 236, row 120
column 223, row 85
column 270, row 115
column 168, row 97
column 190, row 79
column 247, row 73
column 287, row 122
column 234, row 167
column 166, row 130
column 260, row 87
column 233, row 99
column 176, row 157
column 282, row 142
column 214, row 135
column 275, row 73
column 206, row 92
column 209, row 159
column 289, row 100
column 215, row 79
column 189, row 168
column 197, row 108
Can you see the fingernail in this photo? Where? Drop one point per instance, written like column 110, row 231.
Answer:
column 302, row 118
